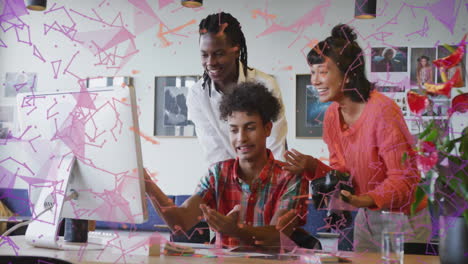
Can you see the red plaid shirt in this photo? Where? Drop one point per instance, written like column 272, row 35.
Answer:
column 274, row 189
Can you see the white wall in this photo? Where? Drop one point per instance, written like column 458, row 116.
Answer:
column 179, row 161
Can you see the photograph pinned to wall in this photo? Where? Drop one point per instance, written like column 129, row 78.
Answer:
column 441, row 107
column 391, row 89
column 437, row 108
column 100, row 81
column 388, row 59
column 170, row 107
column 414, row 126
column 438, row 97
column 424, row 121
column 422, row 70
column 394, row 82
column 431, row 109
column 310, row 111
column 19, row 82
column 401, row 101
column 394, row 86
column 442, row 52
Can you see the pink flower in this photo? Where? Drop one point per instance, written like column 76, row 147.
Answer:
column 459, row 104
column 417, row 103
column 454, row 58
column 427, row 156
column 444, row 88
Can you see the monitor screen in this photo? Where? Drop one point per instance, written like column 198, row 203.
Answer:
column 100, row 130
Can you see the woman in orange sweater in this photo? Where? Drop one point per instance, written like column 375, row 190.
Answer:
column 366, row 137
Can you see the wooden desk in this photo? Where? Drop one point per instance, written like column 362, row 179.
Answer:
column 20, row 247
column 365, row 258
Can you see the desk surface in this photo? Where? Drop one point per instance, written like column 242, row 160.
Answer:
column 17, row 245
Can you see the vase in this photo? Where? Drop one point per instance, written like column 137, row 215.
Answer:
column 453, row 242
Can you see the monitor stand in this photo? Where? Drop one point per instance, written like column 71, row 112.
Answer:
column 43, row 231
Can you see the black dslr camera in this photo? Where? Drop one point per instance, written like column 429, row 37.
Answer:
column 322, row 189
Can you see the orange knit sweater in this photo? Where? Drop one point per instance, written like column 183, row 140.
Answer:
column 371, row 151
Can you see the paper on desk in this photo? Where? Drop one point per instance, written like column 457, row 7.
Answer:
column 226, row 253
column 134, row 243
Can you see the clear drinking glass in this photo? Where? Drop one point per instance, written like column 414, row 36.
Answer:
column 392, row 243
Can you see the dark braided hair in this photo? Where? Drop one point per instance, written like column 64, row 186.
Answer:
column 250, row 97
column 342, row 48
column 214, row 24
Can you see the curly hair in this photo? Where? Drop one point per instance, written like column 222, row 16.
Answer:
column 250, row 97
column 341, row 47
column 224, row 22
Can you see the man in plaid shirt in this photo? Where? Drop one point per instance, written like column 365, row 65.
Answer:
column 242, row 199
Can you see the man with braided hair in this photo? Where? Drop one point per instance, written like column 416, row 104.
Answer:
column 223, row 53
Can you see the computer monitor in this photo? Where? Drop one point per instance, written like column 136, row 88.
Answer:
column 87, row 142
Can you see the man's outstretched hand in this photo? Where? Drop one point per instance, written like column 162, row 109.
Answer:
column 225, row 224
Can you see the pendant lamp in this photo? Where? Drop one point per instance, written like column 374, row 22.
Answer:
column 37, row 5
column 192, row 3
column 365, row 9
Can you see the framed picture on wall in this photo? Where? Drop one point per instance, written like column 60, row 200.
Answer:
column 7, row 120
column 309, row 110
column 19, row 82
column 170, row 106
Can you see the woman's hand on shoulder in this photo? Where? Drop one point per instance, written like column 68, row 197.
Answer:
column 296, row 162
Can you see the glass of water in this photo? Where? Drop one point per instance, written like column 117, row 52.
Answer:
column 393, row 238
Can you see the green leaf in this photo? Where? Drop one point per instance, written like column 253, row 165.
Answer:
column 404, row 157
column 464, row 147
column 433, row 135
column 449, row 145
column 455, row 159
column 461, row 187
column 427, row 130
column 449, row 48
column 429, row 176
column 419, row 195
column 455, row 183
column 465, row 215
